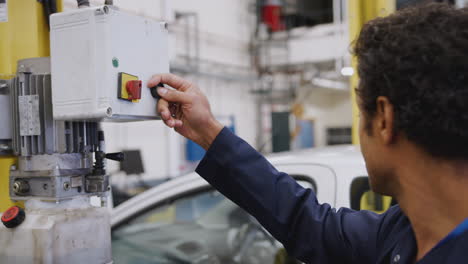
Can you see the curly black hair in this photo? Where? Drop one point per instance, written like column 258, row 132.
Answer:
column 418, row 59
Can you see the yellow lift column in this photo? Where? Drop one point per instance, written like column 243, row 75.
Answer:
column 24, row 33
column 361, row 11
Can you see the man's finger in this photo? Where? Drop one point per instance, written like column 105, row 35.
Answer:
column 170, row 79
column 173, row 123
column 174, row 96
column 163, row 109
column 178, row 123
column 170, row 123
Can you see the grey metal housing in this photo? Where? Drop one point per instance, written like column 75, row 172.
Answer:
column 55, row 157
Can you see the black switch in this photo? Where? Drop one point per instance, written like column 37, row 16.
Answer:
column 154, row 91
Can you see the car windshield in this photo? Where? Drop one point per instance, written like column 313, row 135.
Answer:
column 200, row 228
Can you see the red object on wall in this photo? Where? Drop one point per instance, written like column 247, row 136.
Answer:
column 271, row 15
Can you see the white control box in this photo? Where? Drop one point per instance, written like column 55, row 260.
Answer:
column 99, row 55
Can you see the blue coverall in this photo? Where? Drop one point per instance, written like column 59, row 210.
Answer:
column 313, row 232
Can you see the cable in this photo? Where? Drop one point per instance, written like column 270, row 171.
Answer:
column 50, row 7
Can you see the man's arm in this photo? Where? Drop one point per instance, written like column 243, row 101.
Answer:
column 311, row 232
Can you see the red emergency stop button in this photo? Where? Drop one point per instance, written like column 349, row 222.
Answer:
column 13, row 217
column 133, row 89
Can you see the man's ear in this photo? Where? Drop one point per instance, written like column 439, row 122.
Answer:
column 384, row 125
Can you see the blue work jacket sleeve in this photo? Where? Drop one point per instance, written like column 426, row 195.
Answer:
column 311, row 232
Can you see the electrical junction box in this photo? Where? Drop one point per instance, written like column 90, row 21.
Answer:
column 102, row 59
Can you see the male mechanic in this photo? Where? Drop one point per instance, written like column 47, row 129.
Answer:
column 413, row 101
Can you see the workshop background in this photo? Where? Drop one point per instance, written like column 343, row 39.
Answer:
column 278, row 73
column 260, row 75
column 275, row 71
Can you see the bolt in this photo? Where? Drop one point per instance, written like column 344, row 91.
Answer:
column 16, row 187
column 45, row 186
column 13, row 167
column 109, row 111
column 20, row 187
column 66, row 186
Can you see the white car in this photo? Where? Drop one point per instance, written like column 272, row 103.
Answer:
column 185, row 220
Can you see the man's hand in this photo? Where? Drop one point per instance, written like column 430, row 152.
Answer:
column 186, row 109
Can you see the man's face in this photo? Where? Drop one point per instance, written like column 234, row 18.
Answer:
column 378, row 162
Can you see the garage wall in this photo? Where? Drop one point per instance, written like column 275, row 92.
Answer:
column 328, row 109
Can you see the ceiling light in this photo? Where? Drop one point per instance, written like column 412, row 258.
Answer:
column 347, row 71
